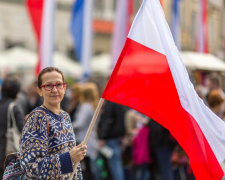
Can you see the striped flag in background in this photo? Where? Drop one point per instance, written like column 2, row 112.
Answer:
column 124, row 10
column 151, row 78
column 202, row 28
column 81, row 30
column 42, row 15
column 175, row 25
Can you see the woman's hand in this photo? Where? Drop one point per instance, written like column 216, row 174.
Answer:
column 78, row 153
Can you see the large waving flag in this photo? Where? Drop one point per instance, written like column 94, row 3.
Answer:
column 202, row 28
column 123, row 14
column 81, row 30
column 175, row 25
column 42, row 13
column 151, row 78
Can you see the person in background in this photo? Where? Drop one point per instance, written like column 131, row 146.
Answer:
column 162, row 145
column 111, row 130
column 48, row 148
column 82, row 120
column 10, row 90
column 76, row 98
column 137, row 136
column 215, row 102
column 34, row 99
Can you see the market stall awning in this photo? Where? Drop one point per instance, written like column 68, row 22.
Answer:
column 202, row 61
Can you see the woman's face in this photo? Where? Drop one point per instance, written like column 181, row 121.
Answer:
column 54, row 96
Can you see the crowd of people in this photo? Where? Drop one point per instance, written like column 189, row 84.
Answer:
column 53, row 118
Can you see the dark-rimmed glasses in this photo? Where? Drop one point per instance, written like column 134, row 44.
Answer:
column 49, row 87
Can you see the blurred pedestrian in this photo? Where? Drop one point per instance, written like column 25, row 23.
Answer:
column 48, row 148
column 10, row 90
column 76, row 98
column 162, row 146
column 82, row 120
column 111, row 130
column 215, row 102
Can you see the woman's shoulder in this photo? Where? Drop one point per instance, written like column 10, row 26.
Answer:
column 65, row 114
column 36, row 113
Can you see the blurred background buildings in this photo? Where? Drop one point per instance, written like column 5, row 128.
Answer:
column 15, row 27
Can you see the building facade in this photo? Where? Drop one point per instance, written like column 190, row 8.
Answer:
column 16, row 29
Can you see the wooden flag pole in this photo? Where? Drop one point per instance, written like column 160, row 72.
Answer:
column 89, row 132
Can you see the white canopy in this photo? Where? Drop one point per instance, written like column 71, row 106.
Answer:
column 202, row 61
column 22, row 59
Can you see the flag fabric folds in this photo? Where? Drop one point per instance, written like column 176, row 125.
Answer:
column 151, row 78
column 202, row 28
column 42, row 15
column 124, row 10
column 175, row 23
column 81, row 30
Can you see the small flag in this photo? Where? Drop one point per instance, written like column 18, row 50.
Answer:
column 123, row 14
column 42, row 15
column 175, row 25
column 202, row 28
column 81, row 30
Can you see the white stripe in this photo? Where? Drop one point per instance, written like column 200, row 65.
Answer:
column 144, row 30
column 120, row 30
column 87, row 37
column 153, row 28
column 47, row 33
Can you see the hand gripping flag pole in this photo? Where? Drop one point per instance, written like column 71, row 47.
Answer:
column 101, row 101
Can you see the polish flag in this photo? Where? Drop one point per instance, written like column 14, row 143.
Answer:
column 42, row 14
column 151, row 78
column 124, row 10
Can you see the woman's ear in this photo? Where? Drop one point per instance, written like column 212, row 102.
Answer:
column 39, row 91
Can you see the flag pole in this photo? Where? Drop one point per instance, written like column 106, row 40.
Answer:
column 89, row 132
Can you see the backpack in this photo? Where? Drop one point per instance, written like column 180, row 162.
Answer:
column 12, row 161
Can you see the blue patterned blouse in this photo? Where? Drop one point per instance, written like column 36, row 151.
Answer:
column 46, row 155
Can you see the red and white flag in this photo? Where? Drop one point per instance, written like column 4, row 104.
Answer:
column 151, row 78
column 42, row 13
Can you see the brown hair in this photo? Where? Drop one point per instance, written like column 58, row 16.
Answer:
column 214, row 98
column 90, row 93
column 77, row 91
column 45, row 70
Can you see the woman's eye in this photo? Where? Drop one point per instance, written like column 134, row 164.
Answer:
column 48, row 86
column 59, row 85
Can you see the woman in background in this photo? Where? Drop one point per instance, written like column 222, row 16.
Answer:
column 10, row 90
column 82, row 120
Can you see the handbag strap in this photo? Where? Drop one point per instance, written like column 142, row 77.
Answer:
column 10, row 114
column 44, row 115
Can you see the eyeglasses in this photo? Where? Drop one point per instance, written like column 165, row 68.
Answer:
column 49, row 87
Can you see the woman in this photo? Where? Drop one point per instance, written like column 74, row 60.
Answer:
column 48, row 149
column 82, row 120
column 10, row 90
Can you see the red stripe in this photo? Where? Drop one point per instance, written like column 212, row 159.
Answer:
column 35, row 10
column 143, row 81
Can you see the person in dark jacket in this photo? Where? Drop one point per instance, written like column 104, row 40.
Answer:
column 111, row 129
column 10, row 89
